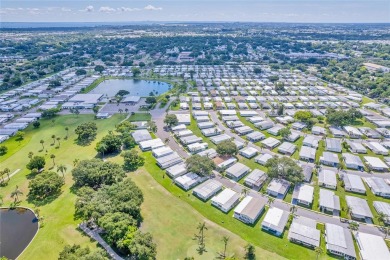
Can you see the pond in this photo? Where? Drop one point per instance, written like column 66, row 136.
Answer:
column 17, row 228
column 134, row 86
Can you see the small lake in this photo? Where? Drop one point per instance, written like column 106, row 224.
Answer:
column 135, row 87
column 17, row 229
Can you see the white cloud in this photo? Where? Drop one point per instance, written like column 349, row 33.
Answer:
column 64, row 9
column 152, row 8
column 128, row 9
column 106, row 9
column 88, row 9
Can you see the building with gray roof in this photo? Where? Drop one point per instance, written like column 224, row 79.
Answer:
column 207, row 189
column 333, row 145
column 255, row 179
column 169, row 160
column 303, row 194
column 359, row 208
column 353, row 161
column 330, row 159
column 249, row 209
column 177, row 170
column 339, row 241
column 188, row 180
column 255, row 136
column 378, row 186
column 384, row 208
column 329, row 202
column 141, row 135
column 278, row 188
column 303, row 231
column 237, row 171
column 327, row 178
column 353, row 183
column 371, row 247
column 263, row 158
column 226, row 200
column 307, row 154
column 287, row 148
column 270, row 142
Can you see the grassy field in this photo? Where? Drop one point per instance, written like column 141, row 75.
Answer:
column 174, row 227
column 140, row 117
column 59, row 227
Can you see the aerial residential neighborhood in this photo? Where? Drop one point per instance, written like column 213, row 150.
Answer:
column 194, row 131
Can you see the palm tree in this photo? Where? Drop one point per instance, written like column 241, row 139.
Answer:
column 58, row 141
column 61, row 168
column 30, row 155
column 15, row 194
column 37, row 211
column 7, row 171
column 270, row 201
column 293, row 209
column 42, row 142
column 225, row 240
column 382, row 217
column 120, row 110
column 354, row 226
column 54, row 139
column 318, row 251
column 52, row 156
column 126, row 110
column 386, row 230
column 244, row 191
column 166, row 140
column 67, row 132
column 102, row 147
column 75, row 162
column 152, row 126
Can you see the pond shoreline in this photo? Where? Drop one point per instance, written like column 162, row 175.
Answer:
column 35, row 219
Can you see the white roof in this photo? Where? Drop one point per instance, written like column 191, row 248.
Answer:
column 224, row 196
column 276, row 219
column 372, row 247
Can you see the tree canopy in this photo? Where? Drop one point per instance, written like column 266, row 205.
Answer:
column 37, row 162
column 201, row 165
column 132, row 160
column 86, row 131
column 171, row 120
column 227, row 147
column 109, row 144
column 94, row 173
column 77, row 252
column 45, row 184
column 342, row 117
column 125, row 127
column 284, row 168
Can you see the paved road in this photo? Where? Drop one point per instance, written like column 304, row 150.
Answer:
column 94, row 234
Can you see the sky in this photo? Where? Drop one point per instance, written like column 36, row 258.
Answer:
column 307, row 11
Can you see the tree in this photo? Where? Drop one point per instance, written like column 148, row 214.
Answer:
column 76, row 252
column 42, row 142
column 125, row 127
column 86, row 132
column 171, row 120
column 19, row 136
column 36, row 162
column 116, row 225
column 94, row 173
column 109, row 144
column 128, row 142
column 30, row 155
column 303, row 115
column 270, row 201
column 52, row 156
column 342, row 117
column 99, row 68
column 136, row 71
column 142, row 246
column 15, row 194
column 36, row 124
column 227, row 147
column 257, row 70
column 49, row 113
column 382, row 217
column 273, row 78
column 201, row 165
column 319, row 251
column 280, row 111
column 152, row 126
column 62, row 168
column 284, row 168
column 54, row 139
column 354, row 226
column 45, row 185
column 3, row 150
column 67, row 132
column 285, row 132
column 58, row 141
column 80, row 72
column 123, row 196
column 132, row 160
column 222, row 255
column 201, row 237
column 7, row 171
column 250, row 252
column 122, row 93
column 151, row 100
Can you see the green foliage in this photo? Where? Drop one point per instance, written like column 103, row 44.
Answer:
column 303, row 115
column 125, row 127
column 36, row 162
column 132, row 160
column 94, row 173
column 128, row 142
column 3, row 150
column 54, row 83
column 49, row 113
column 45, row 184
column 122, row 93
column 201, row 165
column 250, row 252
column 109, row 144
column 280, row 110
column 257, row 70
column 151, row 100
column 116, row 225
column 285, row 132
column 80, row 72
column 342, row 117
column 86, row 131
column 284, row 168
column 76, row 252
column 36, row 124
column 171, row 120
column 227, row 147
column 123, row 197
column 99, row 68
column 142, row 246
column 136, row 71
column 19, row 136
column 273, row 78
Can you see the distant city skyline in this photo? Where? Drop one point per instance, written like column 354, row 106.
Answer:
column 293, row 11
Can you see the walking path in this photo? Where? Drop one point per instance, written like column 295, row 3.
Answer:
column 94, row 234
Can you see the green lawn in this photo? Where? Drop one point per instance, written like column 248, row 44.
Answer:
column 59, row 225
column 252, row 234
column 140, row 117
